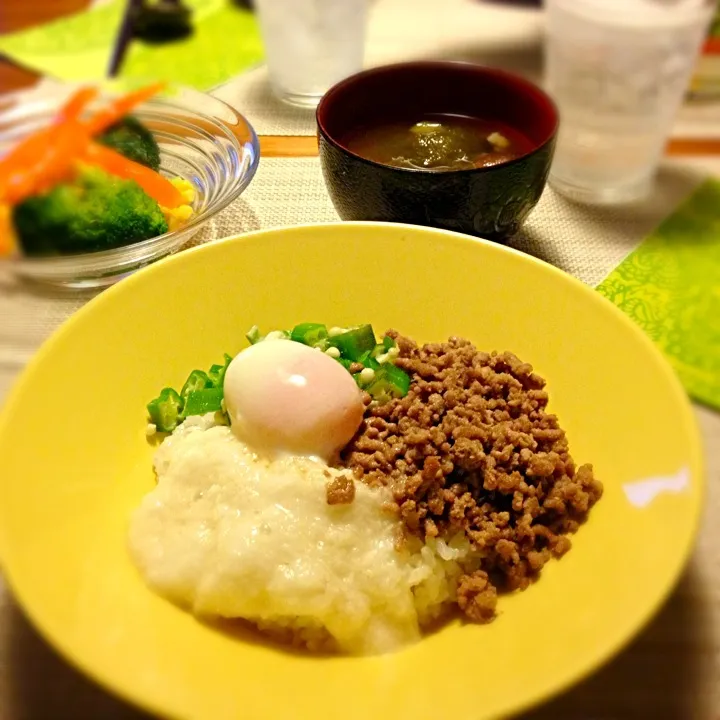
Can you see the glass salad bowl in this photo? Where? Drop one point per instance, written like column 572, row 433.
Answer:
column 201, row 139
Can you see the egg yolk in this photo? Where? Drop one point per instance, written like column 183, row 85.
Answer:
column 283, row 396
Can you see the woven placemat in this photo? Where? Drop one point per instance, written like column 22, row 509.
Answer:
column 588, row 243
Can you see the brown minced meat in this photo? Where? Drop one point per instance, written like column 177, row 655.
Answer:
column 472, row 449
column 340, row 490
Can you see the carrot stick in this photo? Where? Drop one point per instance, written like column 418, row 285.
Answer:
column 62, row 147
column 47, row 155
column 23, row 168
column 121, row 107
column 73, row 108
column 26, row 151
column 70, row 141
column 7, row 235
column 54, row 166
column 30, row 148
column 155, row 185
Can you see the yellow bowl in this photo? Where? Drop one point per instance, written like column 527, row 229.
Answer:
column 76, row 461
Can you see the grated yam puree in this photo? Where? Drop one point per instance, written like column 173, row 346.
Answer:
column 231, row 535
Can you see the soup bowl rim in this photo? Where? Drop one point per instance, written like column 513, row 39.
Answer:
column 328, row 98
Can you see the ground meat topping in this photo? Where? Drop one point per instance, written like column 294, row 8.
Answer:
column 472, row 449
column 477, row 597
column 340, row 490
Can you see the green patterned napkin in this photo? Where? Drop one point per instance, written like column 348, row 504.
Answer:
column 670, row 286
column 226, row 41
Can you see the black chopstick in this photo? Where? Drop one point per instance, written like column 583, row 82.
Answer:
column 124, row 36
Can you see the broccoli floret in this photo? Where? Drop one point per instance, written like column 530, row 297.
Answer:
column 96, row 211
column 132, row 139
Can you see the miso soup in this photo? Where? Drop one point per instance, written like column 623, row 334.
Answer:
column 439, row 143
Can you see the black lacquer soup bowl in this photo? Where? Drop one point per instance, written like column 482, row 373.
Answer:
column 490, row 202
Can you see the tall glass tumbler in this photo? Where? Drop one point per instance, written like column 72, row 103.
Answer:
column 618, row 70
column 311, row 45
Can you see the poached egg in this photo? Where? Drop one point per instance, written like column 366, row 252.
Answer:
column 286, row 397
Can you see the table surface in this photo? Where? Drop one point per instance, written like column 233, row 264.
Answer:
column 672, row 670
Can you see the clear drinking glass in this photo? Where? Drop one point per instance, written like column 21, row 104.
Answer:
column 618, row 70
column 311, row 45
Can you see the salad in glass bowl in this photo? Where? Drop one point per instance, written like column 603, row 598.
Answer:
column 93, row 186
